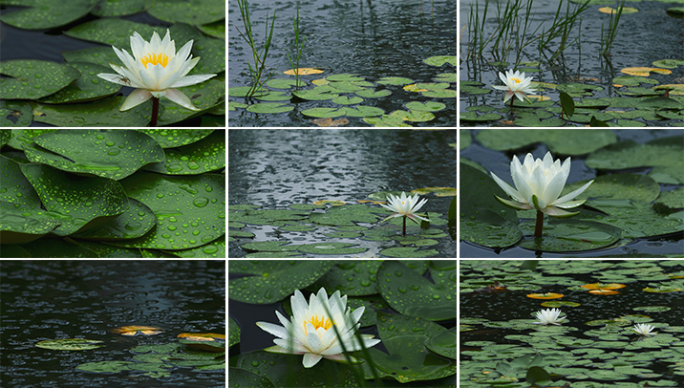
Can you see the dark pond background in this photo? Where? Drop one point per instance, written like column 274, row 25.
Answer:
column 505, row 306
column 643, row 37
column 44, row 300
column 499, row 163
column 277, row 168
column 372, row 38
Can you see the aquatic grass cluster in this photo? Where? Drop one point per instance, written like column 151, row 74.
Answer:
column 259, row 55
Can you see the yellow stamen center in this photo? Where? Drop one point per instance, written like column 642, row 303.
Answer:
column 319, row 322
column 517, row 80
column 161, row 59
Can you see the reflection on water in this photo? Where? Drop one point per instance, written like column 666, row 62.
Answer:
column 44, row 300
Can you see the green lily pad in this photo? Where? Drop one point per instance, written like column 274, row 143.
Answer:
column 316, row 94
column 15, row 113
column 363, row 111
column 474, row 117
column 443, row 344
column 69, row 344
column 324, row 112
column 190, row 210
column 77, row 204
column 284, row 83
column 483, row 219
column 575, row 142
column 429, row 106
column 666, row 155
column 411, row 294
column 233, row 332
column 117, row 32
column 275, row 279
column 108, row 154
column 408, row 252
column 440, row 60
column 394, row 81
column 440, row 93
column 101, row 113
column 87, row 88
column 673, row 199
column 270, row 107
column 618, row 186
column 19, row 226
column 192, row 12
column 330, row 249
column 172, row 138
column 373, row 93
column 205, row 96
column 34, row 79
column 630, row 80
column 102, row 56
column 567, row 235
column 46, row 14
column 216, row 29
column 344, row 100
column 413, row 116
column 205, row 155
column 465, row 139
column 137, row 220
column 357, row 278
column 212, row 53
column 404, row 338
column 105, row 366
column 668, row 63
column 273, row 96
column 215, row 249
column 345, row 215
column 118, row 8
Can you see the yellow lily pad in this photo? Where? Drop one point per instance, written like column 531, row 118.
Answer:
column 644, row 71
column 304, row 71
column 330, row 201
column 413, row 88
column 612, row 10
column 134, row 330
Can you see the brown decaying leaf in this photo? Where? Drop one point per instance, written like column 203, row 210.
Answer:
column 330, row 122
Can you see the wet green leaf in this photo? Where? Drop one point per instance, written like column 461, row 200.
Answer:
column 191, row 12
column 33, row 79
column 567, row 235
column 575, row 142
column 101, row 113
column 15, row 114
column 109, row 154
column 205, row 155
column 270, row 107
column 47, row 14
column 69, row 344
column 87, row 88
column 440, row 60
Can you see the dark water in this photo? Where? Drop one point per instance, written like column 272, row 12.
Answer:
column 367, row 37
column 44, row 300
column 642, row 38
column 499, row 163
column 277, row 168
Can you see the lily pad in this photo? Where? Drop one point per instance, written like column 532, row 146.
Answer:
column 195, row 12
column 330, row 249
column 46, row 14
column 69, row 344
column 15, row 113
column 34, row 79
column 190, row 210
column 575, row 142
column 101, row 113
column 205, row 155
column 108, row 154
column 440, row 60
column 275, row 280
column 570, row 235
column 87, row 88
column 270, row 107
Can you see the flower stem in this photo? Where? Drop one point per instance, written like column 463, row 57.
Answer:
column 155, row 111
column 404, row 226
column 539, row 225
column 512, row 98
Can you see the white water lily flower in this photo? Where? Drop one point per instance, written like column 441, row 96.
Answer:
column 539, row 183
column 155, row 69
column 404, row 206
column 643, row 329
column 310, row 331
column 548, row 317
column 516, row 84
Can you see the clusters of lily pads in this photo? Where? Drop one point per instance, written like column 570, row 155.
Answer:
column 619, row 206
column 72, row 94
column 203, row 352
column 337, row 220
column 622, row 351
column 112, row 193
column 637, row 105
column 415, row 318
column 347, row 91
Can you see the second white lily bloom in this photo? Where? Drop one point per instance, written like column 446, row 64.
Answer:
column 538, row 184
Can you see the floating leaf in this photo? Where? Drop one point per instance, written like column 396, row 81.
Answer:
column 440, row 60
column 69, row 344
column 191, row 11
column 46, row 14
column 304, row 71
column 644, row 71
column 135, row 330
column 34, row 79
column 269, row 107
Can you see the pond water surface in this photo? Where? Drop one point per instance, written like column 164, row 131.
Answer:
column 371, row 38
column 43, row 300
column 643, row 37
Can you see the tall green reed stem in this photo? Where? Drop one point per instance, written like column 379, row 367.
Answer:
column 259, row 56
column 298, row 48
column 607, row 40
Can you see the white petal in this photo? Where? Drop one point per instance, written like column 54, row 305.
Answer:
column 290, row 346
column 508, row 189
column 181, row 99
column 313, row 342
column 270, row 328
column 137, row 97
column 311, row 360
column 114, row 78
column 572, row 195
